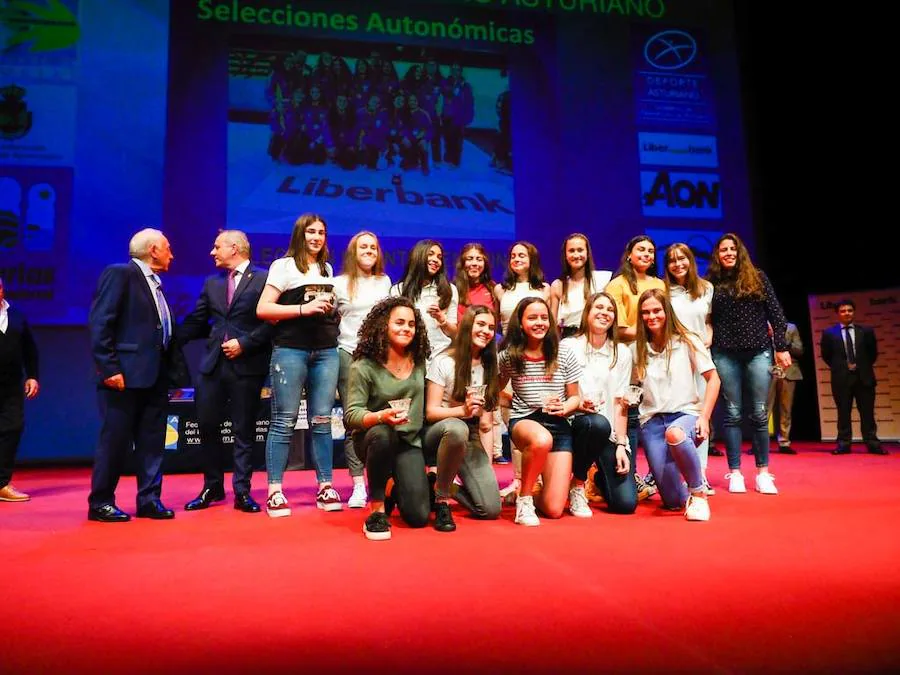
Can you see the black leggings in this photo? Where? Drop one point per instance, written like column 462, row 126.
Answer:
column 386, row 455
column 590, row 443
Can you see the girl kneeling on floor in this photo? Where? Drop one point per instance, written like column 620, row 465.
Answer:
column 674, row 418
column 544, row 376
column 385, row 407
column 462, row 383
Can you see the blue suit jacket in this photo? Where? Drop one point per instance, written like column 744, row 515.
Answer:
column 213, row 318
column 126, row 333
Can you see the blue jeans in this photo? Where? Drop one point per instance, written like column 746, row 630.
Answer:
column 740, row 372
column 290, row 369
column 669, row 462
column 590, row 443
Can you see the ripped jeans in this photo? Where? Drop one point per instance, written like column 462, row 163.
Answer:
column 290, row 370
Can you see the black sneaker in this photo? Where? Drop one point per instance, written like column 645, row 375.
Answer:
column 377, row 527
column 443, row 518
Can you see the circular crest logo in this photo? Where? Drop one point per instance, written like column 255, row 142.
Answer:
column 670, row 50
column 15, row 118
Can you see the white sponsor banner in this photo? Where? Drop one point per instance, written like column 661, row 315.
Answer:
column 879, row 310
column 689, row 150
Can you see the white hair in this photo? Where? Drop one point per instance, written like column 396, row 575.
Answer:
column 239, row 239
column 139, row 246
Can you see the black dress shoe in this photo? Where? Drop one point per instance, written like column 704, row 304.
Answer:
column 108, row 513
column 244, row 502
column 206, row 497
column 786, row 450
column 841, row 450
column 155, row 510
column 877, row 450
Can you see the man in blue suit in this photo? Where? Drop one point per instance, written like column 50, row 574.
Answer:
column 850, row 350
column 232, row 369
column 131, row 340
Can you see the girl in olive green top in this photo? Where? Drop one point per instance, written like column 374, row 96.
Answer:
column 388, row 371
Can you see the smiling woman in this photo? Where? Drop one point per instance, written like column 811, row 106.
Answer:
column 384, row 408
column 299, row 295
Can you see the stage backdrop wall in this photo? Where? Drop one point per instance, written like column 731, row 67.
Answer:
column 881, row 311
column 609, row 118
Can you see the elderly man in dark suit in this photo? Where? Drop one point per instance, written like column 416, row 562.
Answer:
column 850, row 350
column 232, row 369
column 131, row 340
column 18, row 357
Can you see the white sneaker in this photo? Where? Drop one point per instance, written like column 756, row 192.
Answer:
column 708, row 489
column 525, row 513
column 277, row 505
column 578, row 503
column 359, row 498
column 765, row 484
column 696, row 508
column 735, row 482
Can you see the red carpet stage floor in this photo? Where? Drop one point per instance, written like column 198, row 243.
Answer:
column 807, row 581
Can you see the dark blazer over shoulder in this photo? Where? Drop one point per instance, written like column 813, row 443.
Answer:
column 125, row 329
column 834, row 353
column 212, row 318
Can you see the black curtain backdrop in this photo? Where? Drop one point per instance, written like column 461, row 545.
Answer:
column 810, row 102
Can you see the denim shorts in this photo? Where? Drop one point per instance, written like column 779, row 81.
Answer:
column 559, row 429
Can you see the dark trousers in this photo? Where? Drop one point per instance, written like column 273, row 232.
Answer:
column 453, row 143
column 590, row 443
column 12, row 423
column 134, row 417
column 224, row 391
column 436, row 135
column 386, row 455
column 844, row 393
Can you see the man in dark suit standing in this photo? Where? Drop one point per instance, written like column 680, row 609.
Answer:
column 850, row 350
column 233, row 367
column 18, row 356
column 131, row 340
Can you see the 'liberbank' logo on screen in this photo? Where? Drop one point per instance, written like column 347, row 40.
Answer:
column 678, row 150
column 669, row 194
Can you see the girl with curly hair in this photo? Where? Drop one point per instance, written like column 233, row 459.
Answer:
column 544, row 376
column 743, row 307
column 299, row 296
column 384, row 408
column 462, row 383
column 674, row 415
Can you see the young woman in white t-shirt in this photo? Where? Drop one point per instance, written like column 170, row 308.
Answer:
column 299, row 296
column 524, row 278
column 578, row 281
column 691, row 299
column 453, row 406
column 599, row 429
column 674, row 417
column 426, row 284
column 544, row 376
column 361, row 284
